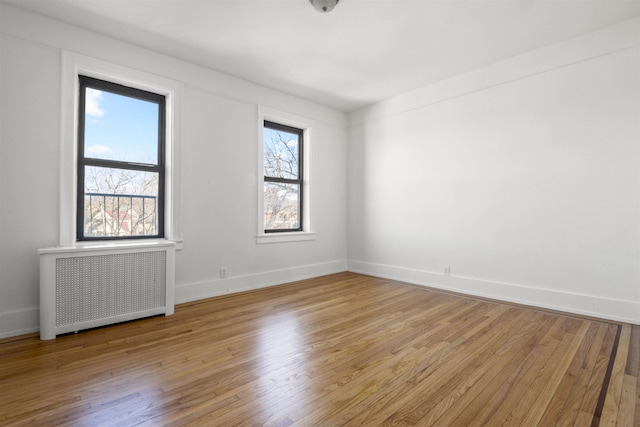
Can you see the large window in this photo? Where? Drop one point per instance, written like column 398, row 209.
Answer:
column 121, row 162
column 283, row 177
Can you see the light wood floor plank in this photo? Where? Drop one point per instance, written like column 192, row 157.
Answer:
column 611, row 407
column 344, row 349
column 574, row 382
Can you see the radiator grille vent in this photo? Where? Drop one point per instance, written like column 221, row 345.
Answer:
column 104, row 286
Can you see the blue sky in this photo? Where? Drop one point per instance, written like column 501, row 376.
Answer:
column 120, row 128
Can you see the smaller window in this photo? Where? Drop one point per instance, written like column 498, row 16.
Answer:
column 121, row 136
column 283, row 178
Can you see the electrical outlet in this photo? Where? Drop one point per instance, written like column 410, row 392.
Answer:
column 223, row 272
column 447, row 271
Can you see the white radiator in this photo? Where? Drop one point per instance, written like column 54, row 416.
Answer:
column 91, row 286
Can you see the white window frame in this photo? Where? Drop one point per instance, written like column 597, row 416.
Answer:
column 288, row 119
column 74, row 65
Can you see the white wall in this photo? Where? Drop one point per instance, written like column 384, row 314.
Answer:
column 219, row 149
column 522, row 177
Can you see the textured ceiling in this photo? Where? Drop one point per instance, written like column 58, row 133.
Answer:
column 362, row 52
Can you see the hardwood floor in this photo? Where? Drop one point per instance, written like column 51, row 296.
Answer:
column 344, row 349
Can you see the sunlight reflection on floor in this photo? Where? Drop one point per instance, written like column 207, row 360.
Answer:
column 283, row 382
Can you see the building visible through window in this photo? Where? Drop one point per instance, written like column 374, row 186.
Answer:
column 121, row 135
column 283, row 178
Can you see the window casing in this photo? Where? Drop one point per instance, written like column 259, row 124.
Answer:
column 304, row 230
column 283, row 178
column 122, row 195
column 72, row 67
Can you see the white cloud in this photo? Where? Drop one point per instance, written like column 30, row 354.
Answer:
column 98, row 149
column 92, row 103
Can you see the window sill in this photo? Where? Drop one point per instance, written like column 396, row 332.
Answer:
column 298, row 236
column 117, row 244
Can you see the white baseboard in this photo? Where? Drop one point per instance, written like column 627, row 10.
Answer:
column 211, row 288
column 21, row 322
column 27, row 321
column 586, row 305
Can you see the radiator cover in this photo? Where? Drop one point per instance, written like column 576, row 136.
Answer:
column 83, row 287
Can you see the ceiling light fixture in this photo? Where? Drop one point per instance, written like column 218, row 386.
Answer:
column 324, row 6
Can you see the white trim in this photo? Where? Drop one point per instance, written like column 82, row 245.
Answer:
column 82, row 247
column 74, row 65
column 293, row 120
column 211, row 288
column 570, row 302
column 20, row 322
column 285, row 237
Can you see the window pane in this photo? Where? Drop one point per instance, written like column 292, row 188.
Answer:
column 281, row 206
column 281, row 154
column 119, row 202
column 120, row 128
